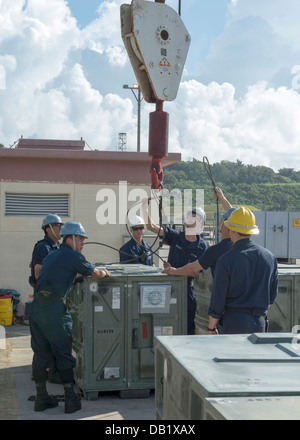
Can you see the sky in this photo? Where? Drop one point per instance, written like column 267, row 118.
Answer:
column 63, row 65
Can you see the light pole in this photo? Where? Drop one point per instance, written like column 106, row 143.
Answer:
column 139, row 100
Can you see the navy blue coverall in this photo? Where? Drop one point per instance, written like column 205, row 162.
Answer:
column 210, row 257
column 42, row 249
column 181, row 253
column 134, row 253
column 50, row 320
column 245, row 284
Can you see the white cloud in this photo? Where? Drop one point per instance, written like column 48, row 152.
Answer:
column 261, row 128
column 259, row 43
column 104, row 32
column 60, row 81
column 43, row 89
column 116, row 56
column 282, row 16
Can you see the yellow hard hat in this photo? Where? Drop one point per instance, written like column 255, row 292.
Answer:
column 242, row 220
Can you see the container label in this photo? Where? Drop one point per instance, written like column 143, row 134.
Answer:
column 296, row 222
column 167, row 331
column 93, row 287
column 163, row 331
column 111, row 373
column 98, row 309
column 116, row 297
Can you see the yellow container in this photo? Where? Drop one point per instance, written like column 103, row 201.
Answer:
column 6, row 311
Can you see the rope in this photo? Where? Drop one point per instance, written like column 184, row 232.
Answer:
column 207, row 168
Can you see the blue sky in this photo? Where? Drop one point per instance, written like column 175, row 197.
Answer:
column 84, row 11
column 201, row 16
column 63, row 65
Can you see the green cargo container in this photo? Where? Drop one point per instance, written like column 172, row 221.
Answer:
column 115, row 320
column 283, row 315
column 253, row 408
column 203, row 285
column 190, row 369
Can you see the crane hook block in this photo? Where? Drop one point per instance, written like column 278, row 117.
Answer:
column 157, row 44
column 158, row 134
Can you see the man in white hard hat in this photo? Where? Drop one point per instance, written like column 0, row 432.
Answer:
column 136, row 250
column 185, row 247
column 209, row 258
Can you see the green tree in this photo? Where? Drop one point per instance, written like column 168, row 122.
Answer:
column 256, row 186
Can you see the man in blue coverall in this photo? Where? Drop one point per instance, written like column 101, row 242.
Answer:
column 209, row 258
column 245, row 281
column 51, row 225
column 136, row 250
column 185, row 247
column 50, row 320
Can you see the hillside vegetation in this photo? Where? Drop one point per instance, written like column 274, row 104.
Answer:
column 257, row 186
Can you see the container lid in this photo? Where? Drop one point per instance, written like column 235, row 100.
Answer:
column 130, row 269
column 256, row 408
column 237, row 364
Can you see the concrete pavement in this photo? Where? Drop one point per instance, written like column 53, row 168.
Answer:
column 17, row 387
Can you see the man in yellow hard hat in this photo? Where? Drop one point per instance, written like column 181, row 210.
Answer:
column 245, row 281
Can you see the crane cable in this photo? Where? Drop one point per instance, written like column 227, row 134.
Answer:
column 207, row 168
column 146, row 251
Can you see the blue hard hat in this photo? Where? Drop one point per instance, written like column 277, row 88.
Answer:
column 229, row 211
column 73, row 228
column 51, row 218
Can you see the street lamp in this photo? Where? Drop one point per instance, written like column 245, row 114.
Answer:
column 139, row 100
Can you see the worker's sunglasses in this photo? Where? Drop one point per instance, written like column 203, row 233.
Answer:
column 138, row 228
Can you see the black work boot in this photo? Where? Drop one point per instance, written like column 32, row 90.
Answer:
column 43, row 401
column 72, row 401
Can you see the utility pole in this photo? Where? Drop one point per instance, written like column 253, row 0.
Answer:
column 139, row 99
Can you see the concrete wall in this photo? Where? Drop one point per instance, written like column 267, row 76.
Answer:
column 19, row 234
column 64, row 167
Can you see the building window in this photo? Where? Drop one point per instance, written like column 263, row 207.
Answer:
column 38, row 205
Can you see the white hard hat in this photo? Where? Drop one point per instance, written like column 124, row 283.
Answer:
column 198, row 211
column 136, row 221
column 199, row 221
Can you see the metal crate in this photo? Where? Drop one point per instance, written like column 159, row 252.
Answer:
column 252, row 408
column 115, row 320
column 190, row 369
column 283, row 315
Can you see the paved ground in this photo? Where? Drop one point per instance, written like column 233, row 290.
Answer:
column 16, row 387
